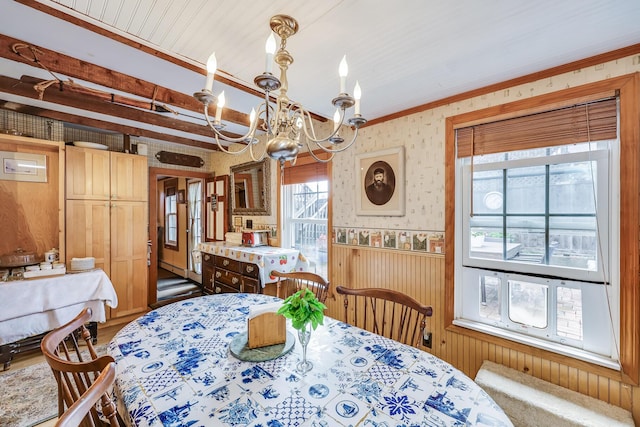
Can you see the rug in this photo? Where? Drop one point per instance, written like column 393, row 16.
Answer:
column 29, row 395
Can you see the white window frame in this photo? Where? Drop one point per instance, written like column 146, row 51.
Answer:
column 600, row 302
column 288, row 222
column 170, row 203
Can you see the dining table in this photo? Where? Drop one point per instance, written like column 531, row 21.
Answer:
column 184, row 364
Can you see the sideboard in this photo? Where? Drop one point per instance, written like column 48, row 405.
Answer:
column 232, row 268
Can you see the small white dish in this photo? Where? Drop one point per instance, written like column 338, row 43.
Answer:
column 86, row 144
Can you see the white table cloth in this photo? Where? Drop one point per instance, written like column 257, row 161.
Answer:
column 174, row 369
column 31, row 307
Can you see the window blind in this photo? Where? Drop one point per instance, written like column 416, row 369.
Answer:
column 306, row 169
column 593, row 121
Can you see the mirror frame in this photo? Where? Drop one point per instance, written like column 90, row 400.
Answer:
column 266, row 188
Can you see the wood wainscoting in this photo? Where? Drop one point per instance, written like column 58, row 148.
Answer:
column 422, row 277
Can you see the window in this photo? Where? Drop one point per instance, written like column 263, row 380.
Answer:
column 305, row 221
column 533, row 252
column 171, row 218
column 305, row 211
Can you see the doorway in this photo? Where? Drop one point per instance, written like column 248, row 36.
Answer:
column 174, row 271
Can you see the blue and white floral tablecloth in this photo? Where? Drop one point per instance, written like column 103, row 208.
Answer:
column 174, row 369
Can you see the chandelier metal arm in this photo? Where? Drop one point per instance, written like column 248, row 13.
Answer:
column 307, row 125
column 335, row 150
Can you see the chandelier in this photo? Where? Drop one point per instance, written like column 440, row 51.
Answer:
column 284, row 122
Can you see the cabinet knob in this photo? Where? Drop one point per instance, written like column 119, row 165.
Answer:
column 249, row 269
column 218, row 290
column 218, row 274
column 114, row 196
column 225, row 262
column 113, row 205
column 235, row 280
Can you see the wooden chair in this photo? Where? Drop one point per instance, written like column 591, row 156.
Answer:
column 75, row 370
column 386, row 312
column 75, row 415
column 304, row 279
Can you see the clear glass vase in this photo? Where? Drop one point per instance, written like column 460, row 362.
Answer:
column 304, row 335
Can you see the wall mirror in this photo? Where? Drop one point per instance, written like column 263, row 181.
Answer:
column 251, row 188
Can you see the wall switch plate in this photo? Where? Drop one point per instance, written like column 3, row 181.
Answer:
column 426, row 339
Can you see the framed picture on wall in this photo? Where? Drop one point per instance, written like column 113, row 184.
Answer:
column 181, row 197
column 380, row 183
column 23, row 166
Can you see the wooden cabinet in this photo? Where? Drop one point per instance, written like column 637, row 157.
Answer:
column 105, row 175
column 221, row 275
column 109, row 221
column 207, row 272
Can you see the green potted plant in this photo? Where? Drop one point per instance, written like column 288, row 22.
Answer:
column 305, row 312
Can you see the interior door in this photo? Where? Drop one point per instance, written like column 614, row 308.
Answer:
column 217, row 208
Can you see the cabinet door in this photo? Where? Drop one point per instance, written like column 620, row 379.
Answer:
column 129, row 177
column 207, row 272
column 87, row 173
column 88, row 233
column 129, row 256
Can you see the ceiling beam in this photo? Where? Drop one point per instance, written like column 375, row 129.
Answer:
column 75, row 68
column 25, row 87
column 102, row 125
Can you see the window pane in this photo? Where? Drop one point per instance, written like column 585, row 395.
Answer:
column 571, row 188
column 528, row 303
column 573, row 242
column 569, row 313
column 526, row 235
column 487, row 191
column 490, row 297
column 526, row 190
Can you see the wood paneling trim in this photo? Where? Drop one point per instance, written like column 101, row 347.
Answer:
column 627, row 87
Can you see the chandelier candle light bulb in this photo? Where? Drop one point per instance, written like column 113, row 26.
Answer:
column 220, row 106
column 270, row 49
column 336, row 119
column 357, row 94
column 343, row 70
column 212, row 65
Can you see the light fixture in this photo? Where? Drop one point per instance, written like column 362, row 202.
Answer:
column 283, row 121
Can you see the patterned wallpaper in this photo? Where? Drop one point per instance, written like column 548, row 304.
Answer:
column 422, row 135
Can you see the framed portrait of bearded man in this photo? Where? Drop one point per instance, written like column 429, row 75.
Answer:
column 380, row 182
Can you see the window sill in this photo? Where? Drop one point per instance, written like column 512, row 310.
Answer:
column 558, row 353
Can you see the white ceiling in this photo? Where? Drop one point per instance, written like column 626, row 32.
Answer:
column 404, row 53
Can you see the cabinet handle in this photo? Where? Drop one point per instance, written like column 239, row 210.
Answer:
column 249, row 269
column 225, row 262
column 235, row 280
column 218, row 274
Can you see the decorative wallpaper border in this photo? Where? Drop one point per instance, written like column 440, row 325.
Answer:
column 404, row 240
